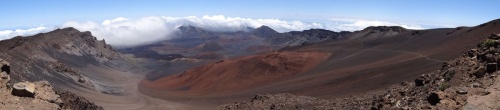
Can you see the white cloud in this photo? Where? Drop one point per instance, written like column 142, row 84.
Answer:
column 119, row 19
column 124, row 32
column 359, row 24
column 222, row 23
column 6, row 34
column 131, row 32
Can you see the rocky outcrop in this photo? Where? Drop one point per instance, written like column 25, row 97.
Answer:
column 4, row 73
column 68, row 71
column 74, row 102
column 280, row 102
column 44, row 91
column 37, row 95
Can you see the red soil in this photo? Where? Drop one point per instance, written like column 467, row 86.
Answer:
column 239, row 74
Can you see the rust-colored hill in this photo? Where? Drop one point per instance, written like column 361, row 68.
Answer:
column 238, row 74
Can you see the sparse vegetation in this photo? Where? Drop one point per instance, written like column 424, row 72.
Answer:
column 444, row 86
column 489, row 42
column 449, row 74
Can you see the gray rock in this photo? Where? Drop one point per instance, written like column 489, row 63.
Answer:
column 82, row 80
column 462, row 91
column 476, row 84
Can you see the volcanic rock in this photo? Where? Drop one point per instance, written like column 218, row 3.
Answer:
column 82, row 80
column 4, row 79
column 72, row 101
column 44, row 91
column 491, row 67
column 480, row 72
column 462, row 91
column 490, row 58
column 476, row 84
column 24, row 89
column 4, row 66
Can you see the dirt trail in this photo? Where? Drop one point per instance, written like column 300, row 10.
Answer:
column 364, row 50
column 120, row 92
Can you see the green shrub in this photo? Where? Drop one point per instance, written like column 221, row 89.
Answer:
column 444, row 86
column 449, row 74
column 489, row 42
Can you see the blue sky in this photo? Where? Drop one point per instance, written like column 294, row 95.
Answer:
column 120, row 20
column 29, row 13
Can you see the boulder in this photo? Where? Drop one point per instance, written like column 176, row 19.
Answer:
column 462, row 91
column 481, row 57
column 476, row 84
column 434, row 98
column 491, row 67
column 471, row 54
column 490, row 58
column 23, row 89
column 82, row 80
column 422, row 80
column 480, row 72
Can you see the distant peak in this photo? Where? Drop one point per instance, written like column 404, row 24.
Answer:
column 190, row 28
column 385, row 28
column 264, row 27
column 264, row 30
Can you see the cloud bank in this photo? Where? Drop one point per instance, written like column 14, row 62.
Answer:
column 6, row 34
column 358, row 24
column 122, row 32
